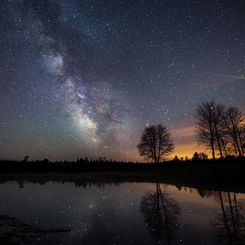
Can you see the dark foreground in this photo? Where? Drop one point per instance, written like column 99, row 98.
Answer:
column 226, row 174
column 199, row 202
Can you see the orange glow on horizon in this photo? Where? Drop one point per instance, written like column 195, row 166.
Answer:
column 185, row 142
column 185, row 145
column 188, row 150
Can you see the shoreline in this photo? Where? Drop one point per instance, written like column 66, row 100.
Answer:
column 220, row 177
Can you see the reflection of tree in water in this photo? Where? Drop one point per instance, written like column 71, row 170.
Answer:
column 229, row 225
column 161, row 214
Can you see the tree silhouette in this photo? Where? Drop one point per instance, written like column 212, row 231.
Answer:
column 155, row 143
column 233, row 122
column 161, row 214
column 195, row 157
column 26, row 159
column 199, row 156
column 221, row 128
column 209, row 117
column 205, row 127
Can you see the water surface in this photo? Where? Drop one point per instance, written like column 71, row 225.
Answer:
column 122, row 213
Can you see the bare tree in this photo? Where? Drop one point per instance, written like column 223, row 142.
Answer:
column 234, row 121
column 155, row 143
column 205, row 125
column 209, row 117
column 221, row 128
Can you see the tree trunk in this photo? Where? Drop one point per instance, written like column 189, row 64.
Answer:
column 241, row 144
column 212, row 147
column 236, row 142
column 218, row 141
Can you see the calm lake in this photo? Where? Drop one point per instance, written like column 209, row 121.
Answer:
column 118, row 213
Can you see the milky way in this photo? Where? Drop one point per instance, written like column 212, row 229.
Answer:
column 83, row 78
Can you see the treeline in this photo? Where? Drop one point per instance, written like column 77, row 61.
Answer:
column 101, row 160
column 81, row 165
column 110, row 166
column 221, row 129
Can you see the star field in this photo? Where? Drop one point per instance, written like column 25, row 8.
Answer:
column 83, row 78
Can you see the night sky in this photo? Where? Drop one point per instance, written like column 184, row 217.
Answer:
column 84, row 78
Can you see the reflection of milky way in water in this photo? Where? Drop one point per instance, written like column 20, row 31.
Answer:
column 136, row 213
